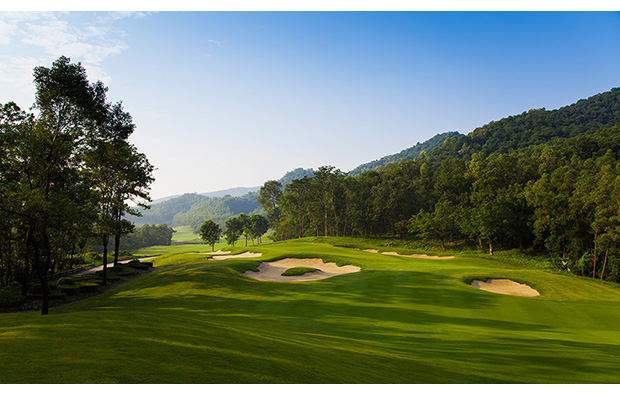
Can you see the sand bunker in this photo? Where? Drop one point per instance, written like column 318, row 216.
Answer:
column 505, row 287
column 272, row 271
column 423, row 256
column 244, row 255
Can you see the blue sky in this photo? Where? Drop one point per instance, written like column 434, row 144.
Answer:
column 226, row 99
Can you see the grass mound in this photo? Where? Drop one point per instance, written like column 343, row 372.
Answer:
column 299, row 271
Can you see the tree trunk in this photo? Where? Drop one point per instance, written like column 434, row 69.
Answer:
column 117, row 243
column 594, row 258
column 43, row 274
column 490, row 246
column 105, row 240
column 604, row 263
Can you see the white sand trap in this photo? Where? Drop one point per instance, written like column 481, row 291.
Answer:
column 243, row 255
column 272, row 271
column 218, row 252
column 505, row 287
column 423, row 256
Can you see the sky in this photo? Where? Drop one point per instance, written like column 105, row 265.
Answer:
column 229, row 99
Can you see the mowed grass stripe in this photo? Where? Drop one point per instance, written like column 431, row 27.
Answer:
column 399, row 320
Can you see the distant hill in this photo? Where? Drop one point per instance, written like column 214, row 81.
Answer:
column 192, row 209
column 406, row 154
column 533, row 127
column 239, row 191
column 295, row 174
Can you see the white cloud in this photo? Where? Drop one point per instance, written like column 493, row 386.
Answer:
column 30, row 39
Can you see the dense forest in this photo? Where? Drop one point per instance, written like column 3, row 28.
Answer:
column 67, row 176
column 406, row 154
column 547, row 181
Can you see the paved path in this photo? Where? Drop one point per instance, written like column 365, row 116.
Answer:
column 100, row 267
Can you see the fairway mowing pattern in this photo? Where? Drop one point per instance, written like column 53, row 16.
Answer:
column 398, row 320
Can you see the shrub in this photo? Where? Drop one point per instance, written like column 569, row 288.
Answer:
column 10, row 297
column 136, row 264
column 111, row 275
column 88, row 287
column 69, row 289
column 66, row 281
column 127, row 271
column 57, row 295
column 35, row 289
column 92, row 257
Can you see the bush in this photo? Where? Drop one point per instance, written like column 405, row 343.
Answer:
column 57, row 295
column 127, row 271
column 112, row 276
column 92, row 257
column 69, row 289
column 66, row 281
column 35, row 289
column 10, row 297
column 88, row 287
column 136, row 264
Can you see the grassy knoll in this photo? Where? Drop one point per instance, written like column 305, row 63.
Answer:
column 299, row 271
column 398, row 320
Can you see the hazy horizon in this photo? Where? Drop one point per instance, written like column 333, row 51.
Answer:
column 233, row 99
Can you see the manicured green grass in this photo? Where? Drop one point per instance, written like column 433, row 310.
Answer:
column 398, row 320
column 299, row 271
column 185, row 233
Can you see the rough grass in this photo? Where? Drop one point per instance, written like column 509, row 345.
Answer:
column 299, row 271
column 398, row 320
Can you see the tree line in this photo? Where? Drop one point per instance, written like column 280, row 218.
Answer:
column 67, row 175
column 141, row 236
column 252, row 227
column 561, row 197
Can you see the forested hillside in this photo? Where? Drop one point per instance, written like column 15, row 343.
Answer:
column 192, row 209
column 534, row 127
column 406, row 154
column 548, row 181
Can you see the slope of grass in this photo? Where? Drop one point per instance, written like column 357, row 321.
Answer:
column 398, row 320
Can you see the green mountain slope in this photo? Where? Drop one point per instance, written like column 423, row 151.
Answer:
column 192, row 209
column 407, row 154
column 534, row 127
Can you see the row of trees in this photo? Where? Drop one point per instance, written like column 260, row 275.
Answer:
column 562, row 197
column 67, row 175
column 144, row 236
column 252, row 227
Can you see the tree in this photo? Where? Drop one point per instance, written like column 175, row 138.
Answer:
column 210, row 232
column 258, row 225
column 234, row 229
column 269, row 198
column 246, row 231
column 48, row 157
column 51, row 184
